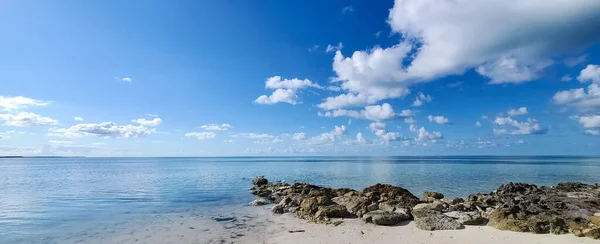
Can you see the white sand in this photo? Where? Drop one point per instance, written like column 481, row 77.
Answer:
column 258, row 225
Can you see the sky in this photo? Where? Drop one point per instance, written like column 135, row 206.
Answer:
column 341, row 77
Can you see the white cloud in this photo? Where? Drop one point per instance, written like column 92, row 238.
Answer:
column 421, row 98
column 516, row 112
column 340, row 113
column 379, row 130
column 588, row 122
column 378, row 112
column 78, row 119
column 477, row 124
column 19, row 102
column 221, row 127
column 202, row 135
column 23, row 119
column 593, row 132
column 447, row 37
column 331, row 48
column 145, row 122
column 228, row 141
column 410, row 120
column 313, row 48
column 359, row 138
column 566, row 78
column 349, row 121
column 299, row 136
column 347, row 9
column 61, row 142
column 279, row 95
column 520, row 128
column 438, row 119
column 104, row 129
column 590, row 73
column 329, row 137
column 127, row 79
column 276, row 82
column 254, row 136
column 581, row 98
column 152, row 115
column 424, row 135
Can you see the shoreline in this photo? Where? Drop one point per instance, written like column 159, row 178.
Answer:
column 257, row 225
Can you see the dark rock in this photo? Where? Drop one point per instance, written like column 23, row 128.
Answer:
column 332, row 211
column 430, row 196
column 592, row 233
column 259, row 181
column 259, row 202
column 379, row 217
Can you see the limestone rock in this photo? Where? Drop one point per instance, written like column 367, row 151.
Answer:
column 259, row 202
column 259, row 181
column 428, row 219
column 380, row 217
column 466, row 218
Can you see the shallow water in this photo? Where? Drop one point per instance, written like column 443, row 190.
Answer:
column 49, row 197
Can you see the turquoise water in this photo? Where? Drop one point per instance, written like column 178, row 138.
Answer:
column 43, row 197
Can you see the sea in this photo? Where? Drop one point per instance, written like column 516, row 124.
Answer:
column 42, row 199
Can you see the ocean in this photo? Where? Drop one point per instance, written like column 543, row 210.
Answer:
column 46, row 198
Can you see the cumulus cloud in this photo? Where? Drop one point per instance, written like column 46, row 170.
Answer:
column 78, row 118
column 104, row 130
column 574, row 61
column 221, row 127
column 254, row 136
column 590, row 73
column 24, row 119
column 285, row 90
column 61, row 142
column 410, row 120
column 279, row 95
column 202, row 135
column 420, row 99
column 447, row 37
column 127, row 79
column 340, row 113
column 329, row 137
column 378, row 112
column 228, row 141
column 566, row 78
column 145, row 122
column 360, row 139
column 299, row 136
column 331, row 48
column 588, row 122
column 379, row 129
column 582, row 98
column 438, row 119
column 152, row 115
column 478, row 124
column 531, row 127
column 423, row 135
column 516, row 112
column 19, row 102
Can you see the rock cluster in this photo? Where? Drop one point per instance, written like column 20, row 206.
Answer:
column 565, row 208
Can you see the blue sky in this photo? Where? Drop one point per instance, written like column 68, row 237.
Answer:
column 196, row 78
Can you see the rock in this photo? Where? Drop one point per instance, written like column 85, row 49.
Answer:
column 430, row 196
column 373, row 207
column 379, row 217
column 466, row 218
column 259, row 181
column 594, row 220
column 507, row 219
column 597, row 214
column 427, row 219
column 332, row 211
column 457, row 201
column 259, row 202
column 593, row 233
column 395, row 195
column 437, row 206
column 277, row 209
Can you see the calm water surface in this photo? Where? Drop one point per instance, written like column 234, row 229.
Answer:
column 40, row 197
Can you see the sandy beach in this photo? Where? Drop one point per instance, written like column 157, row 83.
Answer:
column 259, row 225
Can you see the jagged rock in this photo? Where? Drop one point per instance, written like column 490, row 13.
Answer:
column 277, row 209
column 259, row 181
column 466, row 218
column 592, row 233
column 507, row 219
column 379, row 217
column 437, row 206
column 259, row 202
column 595, row 220
column 430, row 196
column 332, row 211
column 395, row 195
column 428, row 219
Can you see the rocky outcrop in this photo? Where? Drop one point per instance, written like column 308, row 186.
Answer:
column 566, row 208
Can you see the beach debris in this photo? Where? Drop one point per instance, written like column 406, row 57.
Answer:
column 569, row 207
column 296, row 231
column 225, row 219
